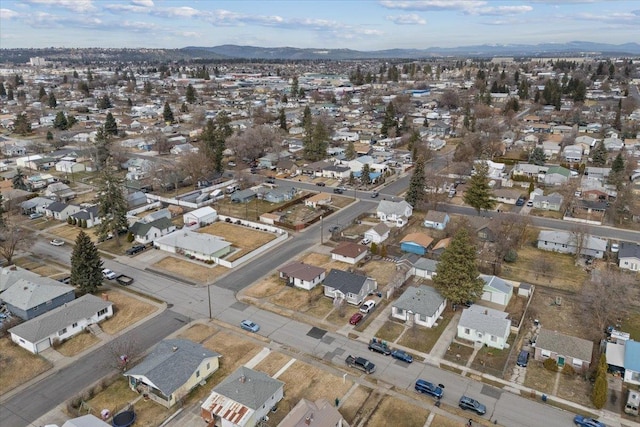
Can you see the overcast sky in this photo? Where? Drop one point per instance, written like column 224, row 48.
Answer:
column 362, row 25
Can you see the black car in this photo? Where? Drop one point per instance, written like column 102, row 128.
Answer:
column 320, row 184
column 135, row 249
column 472, row 405
column 270, row 181
column 338, row 190
column 523, row 358
column 334, row 228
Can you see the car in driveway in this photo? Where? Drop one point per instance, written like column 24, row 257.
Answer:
column 365, row 241
column 470, row 404
column 530, row 204
column 520, row 201
column 582, row 421
column 356, row 318
column 109, row 274
column 135, row 249
column 426, row 387
column 250, row 326
column 367, row 306
column 36, row 215
column 523, row 358
column 402, row 355
column 379, row 347
column 56, row 242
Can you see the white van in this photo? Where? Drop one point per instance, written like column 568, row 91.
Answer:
column 633, row 401
column 232, row 188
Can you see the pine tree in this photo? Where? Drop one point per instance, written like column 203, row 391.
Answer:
column 350, row 152
column 307, row 120
column 18, row 180
column 282, row 120
column 21, row 125
column 294, row 86
column 103, row 148
column 49, row 136
column 10, row 94
column 42, row 93
column 60, row 122
column 53, row 102
column 190, row 95
column 104, row 103
column 415, row 193
column 167, row 114
column 599, row 392
column 365, row 176
column 478, row 194
column 389, row 122
column 112, row 204
column 457, row 274
column 617, row 165
column 110, row 125
column 86, row 265
column 599, row 154
column 538, row 157
column 3, row 91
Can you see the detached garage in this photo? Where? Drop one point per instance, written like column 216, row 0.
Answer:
column 496, row 290
column 200, row 217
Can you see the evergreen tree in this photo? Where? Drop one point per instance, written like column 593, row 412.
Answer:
column 71, row 120
column 214, row 138
column 103, row 148
column 350, row 152
column 60, row 122
column 307, row 120
column 282, row 120
column 599, row 154
column 352, row 178
column 478, row 194
column 616, row 176
column 104, row 103
column 112, row 204
column 86, row 265
column 184, row 108
column 49, row 136
column 190, row 94
column 53, row 102
column 129, row 103
column 147, row 88
column 18, row 180
column 415, row 193
column 365, row 176
column 457, row 274
column 389, row 122
column 617, row 165
column 3, row 91
column 294, row 86
column 167, row 114
column 110, row 125
column 537, row 156
column 316, row 142
column 42, row 93
column 10, row 94
column 21, row 124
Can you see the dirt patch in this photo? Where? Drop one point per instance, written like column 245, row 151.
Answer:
column 235, row 351
column 190, row 270
column 387, row 412
column 127, row 311
column 539, row 378
column 294, row 298
column 77, row 344
column 390, row 331
column 631, row 324
column 340, row 201
column 267, row 287
column 492, row 360
column 382, row 271
column 198, row 333
column 423, row 339
column 245, row 238
column 341, row 316
column 576, row 389
column 353, row 403
column 565, row 318
column 458, row 353
column 18, row 365
column 516, row 309
column 320, row 308
column 271, row 364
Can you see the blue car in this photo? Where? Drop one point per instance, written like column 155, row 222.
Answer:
column 581, row 421
column 402, row 355
column 426, row 387
column 250, row 326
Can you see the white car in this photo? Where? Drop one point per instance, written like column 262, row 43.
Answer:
column 56, row 242
column 367, row 306
column 365, row 241
column 108, row 274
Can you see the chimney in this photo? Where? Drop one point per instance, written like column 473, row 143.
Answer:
column 174, row 348
column 309, row 419
column 242, row 379
column 486, row 312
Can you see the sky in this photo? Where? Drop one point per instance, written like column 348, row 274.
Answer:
column 364, row 25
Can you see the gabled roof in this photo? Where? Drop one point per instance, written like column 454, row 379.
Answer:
column 171, row 363
column 320, row 413
column 380, row 229
column 421, row 300
column 206, row 244
column 349, row 249
column 28, row 293
column 426, row 264
column 485, row 320
column 302, row 271
column 565, row 345
column 345, row 281
column 393, row 208
column 45, row 325
column 203, row 211
column 494, row 282
column 87, row 213
column 632, row 355
column 142, row 228
column 12, row 273
column 35, row 202
column 629, row 250
column 436, row 216
column 57, row 207
column 567, row 238
column 85, row 421
column 248, row 387
column 421, row 239
column 442, row 244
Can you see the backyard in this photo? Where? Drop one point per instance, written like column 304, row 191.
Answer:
column 246, row 239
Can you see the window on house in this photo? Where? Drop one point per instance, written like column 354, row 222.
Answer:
column 75, row 325
column 103, row 311
column 467, row 331
column 494, row 338
column 197, row 373
column 545, row 353
column 62, row 332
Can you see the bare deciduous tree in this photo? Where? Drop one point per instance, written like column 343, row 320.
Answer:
column 606, row 297
column 12, row 239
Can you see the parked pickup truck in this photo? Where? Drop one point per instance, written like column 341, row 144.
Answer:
column 124, row 280
column 361, row 363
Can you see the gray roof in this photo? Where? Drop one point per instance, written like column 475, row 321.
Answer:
column 567, row 238
column 426, row 264
column 206, row 244
column 171, row 363
column 31, row 292
column 11, row 274
column 629, row 250
column 486, row 320
column 57, row 206
column 35, row 202
column 436, row 216
column 47, row 324
column 422, row 300
column 243, row 194
column 248, row 387
column 381, row 229
column 345, row 281
column 564, row 345
column 86, row 421
column 389, row 207
column 87, row 213
column 497, row 283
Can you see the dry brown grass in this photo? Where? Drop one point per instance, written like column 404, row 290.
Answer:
column 70, row 232
column 387, row 412
column 442, row 421
column 245, row 238
column 18, row 366
column 315, row 258
column 127, row 311
column 538, row 378
column 390, row 331
column 77, row 344
column 235, row 351
column 266, row 287
column 354, row 402
column 423, row 339
column 190, row 270
column 46, row 270
column 150, row 413
column 335, row 318
column 380, row 270
column 341, row 201
column 198, row 332
column 293, row 298
column 576, row 389
column 114, row 398
column 320, row 308
column 566, row 318
column 27, row 263
column 271, row 364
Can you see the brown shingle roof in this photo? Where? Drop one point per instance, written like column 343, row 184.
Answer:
column 422, row 239
column 302, row 271
column 349, row 250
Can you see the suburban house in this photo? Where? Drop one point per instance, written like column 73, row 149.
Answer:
column 564, row 349
column 568, row 243
column 37, row 204
column 557, row 175
column 506, row 195
column 632, row 362
column 416, row 243
column 629, row 256
column 319, row 199
column 424, row 267
column 242, row 399
column 377, row 234
column 145, row 232
column 394, row 213
column 243, row 196
column 302, row 275
column 349, row 252
column 572, row 153
column 27, row 298
column 60, row 192
column 61, row 211
column 320, row 413
column 352, row 287
column 280, row 194
column 88, row 216
column 204, row 247
column 203, row 216
column 172, row 370
column 552, row 202
column 484, row 325
column 12, row 273
column 437, row 220
column 61, row 323
column 496, row 290
column 421, row 305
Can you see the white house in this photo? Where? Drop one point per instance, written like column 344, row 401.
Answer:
column 61, row 323
column 301, row 275
column 394, row 213
column 377, row 234
column 629, row 256
column 349, row 252
column 484, row 325
column 437, row 220
column 145, row 232
column 202, row 216
column 496, row 290
column 204, row 247
column 568, row 243
column 421, row 305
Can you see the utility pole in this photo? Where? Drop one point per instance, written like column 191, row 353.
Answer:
column 321, row 229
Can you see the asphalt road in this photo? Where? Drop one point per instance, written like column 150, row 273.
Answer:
column 30, row 404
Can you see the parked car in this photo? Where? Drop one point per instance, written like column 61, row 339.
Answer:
column 338, row 190
column 250, row 326
column 270, row 181
column 356, row 318
column 320, row 184
column 402, row 355
column 472, row 405
column 367, row 306
column 56, row 242
column 109, row 274
column 520, row 201
column 582, row 421
column 36, row 215
column 615, row 247
column 374, row 194
column 333, row 228
column 426, row 387
column 365, row 241
column 135, row 249
column 379, row 347
column 530, row 204
column 523, row 358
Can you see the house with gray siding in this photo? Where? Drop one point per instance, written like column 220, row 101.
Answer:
column 30, row 297
column 352, row 287
column 568, row 243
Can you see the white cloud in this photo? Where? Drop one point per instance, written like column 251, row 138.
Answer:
column 130, row 8
column 74, row 5
column 143, row 3
column 500, row 10
column 184, row 12
column 8, row 14
column 433, row 4
column 410, row 19
column 619, row 17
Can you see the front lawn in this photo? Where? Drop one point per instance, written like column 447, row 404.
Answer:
column 423, row 339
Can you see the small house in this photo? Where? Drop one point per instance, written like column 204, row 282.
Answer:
column 61, row 211
column 394, row 213
column 564, row 349
column 377, row 234
column 31, row 297
column 319, row 199
column 436, row 220
column 301, row 275
column 485, row 326
column 201, row 217
column 349, row 252
column 496, row 290
column 416, row 243
column 629, row 256
column 145, row 232
column 350, row 287
column 421, row 305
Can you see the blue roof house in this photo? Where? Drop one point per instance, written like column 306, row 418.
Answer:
column 632, row 362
